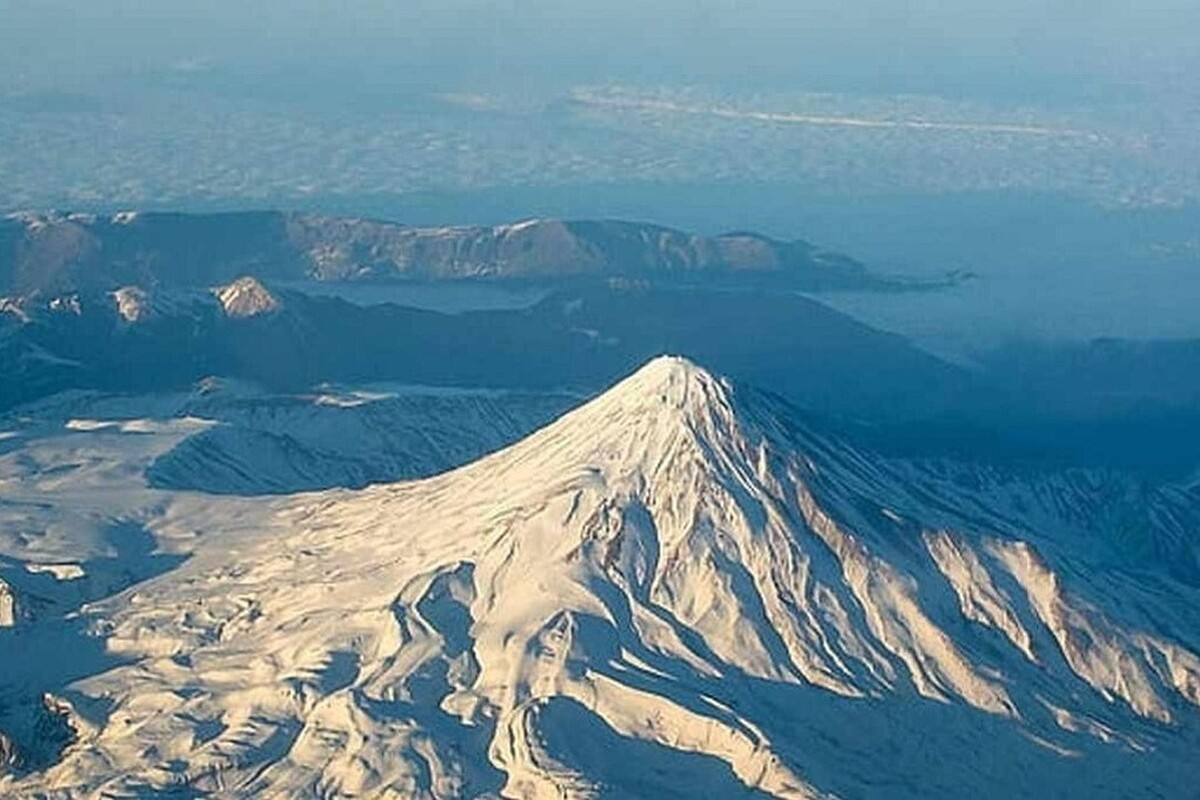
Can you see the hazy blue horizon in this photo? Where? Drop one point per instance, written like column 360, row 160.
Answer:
column 1032, row 50
column 921, row 136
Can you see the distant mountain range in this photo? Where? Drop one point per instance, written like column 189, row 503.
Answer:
column 582, row 336
column 55, row 253
column 154, row 302
column 579, row 337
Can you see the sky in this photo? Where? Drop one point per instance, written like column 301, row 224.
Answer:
column 1042, row 50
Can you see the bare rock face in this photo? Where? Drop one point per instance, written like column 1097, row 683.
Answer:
column 133, row 303
column 246, row 297
column 12, row 611
column 10, row 756
column 36, row 732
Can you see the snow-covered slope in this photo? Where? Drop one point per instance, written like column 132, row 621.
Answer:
column 675, row 590
column 272, row 444
column 241, row 439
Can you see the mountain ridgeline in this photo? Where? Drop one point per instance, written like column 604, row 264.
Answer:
column 54, row 253
column 153, row 302
column 582, row 338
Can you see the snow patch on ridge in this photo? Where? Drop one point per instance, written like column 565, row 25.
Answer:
column 133, row 303
column 246, row 297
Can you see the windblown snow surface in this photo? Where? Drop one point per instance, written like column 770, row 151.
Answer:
column 675, row 590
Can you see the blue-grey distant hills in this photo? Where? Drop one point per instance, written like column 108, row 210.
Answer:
column 147, row 340
column 54, row 253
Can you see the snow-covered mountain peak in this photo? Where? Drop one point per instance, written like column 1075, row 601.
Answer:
column 672, row 574
column 667, row 392
column 672, row 380
column 669, row 428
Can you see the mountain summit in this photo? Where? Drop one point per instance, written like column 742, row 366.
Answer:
column 677, row 589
